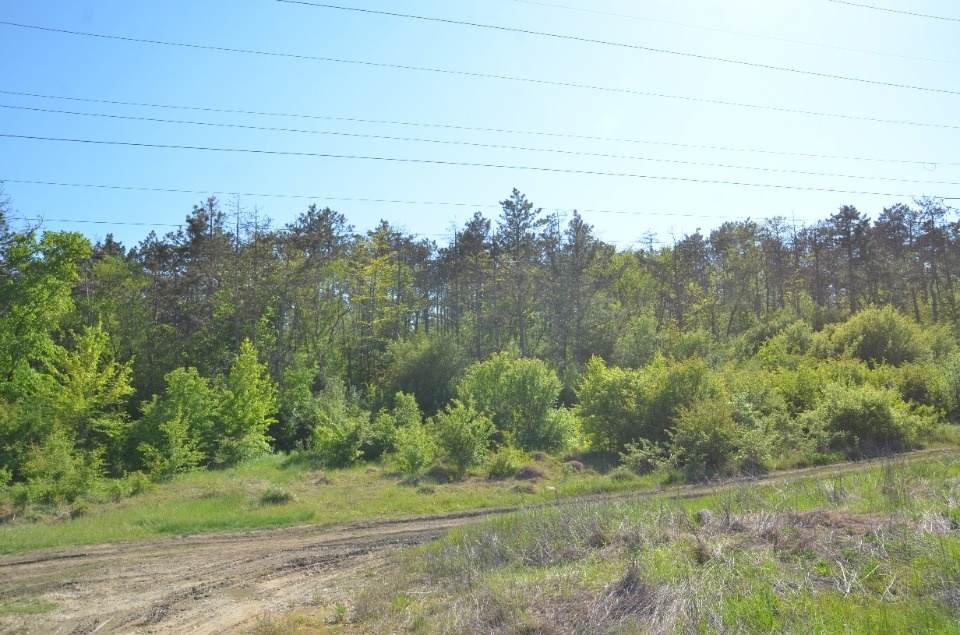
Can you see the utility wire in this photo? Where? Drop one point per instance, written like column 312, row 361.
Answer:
column 461, row 73
column 558, row 135
column 319, row 197
column 760, row 36
column 549, row 134
column 486, row 145
column 42, row 219
column 447, row 163
column 622, row 45
column 910, row 13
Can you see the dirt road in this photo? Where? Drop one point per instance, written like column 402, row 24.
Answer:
column 217, row 583
column 197, row 584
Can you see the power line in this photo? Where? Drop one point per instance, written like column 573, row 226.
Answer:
column 559, row 135
column 910, row 13
column 169, row 190
column 739, row 33
column 324, row 155
column 327, row 198
column 623, row 45
column 492, row 146
column 41, row 219
column 460, row 73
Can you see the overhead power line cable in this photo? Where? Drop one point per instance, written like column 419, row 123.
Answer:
column 487, row 145
column 898, row 11
column 319, row 197
column 622, row 45
column 760, row 36
column 716, row 102
column 352, row 157
column 452, row 72
column 559, row 135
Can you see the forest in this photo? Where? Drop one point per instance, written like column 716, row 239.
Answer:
column 758, row 345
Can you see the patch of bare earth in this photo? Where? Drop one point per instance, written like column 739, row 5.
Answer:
column 197, row 584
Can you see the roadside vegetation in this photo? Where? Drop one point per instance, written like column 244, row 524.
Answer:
column 871, row 552
column 208, row 380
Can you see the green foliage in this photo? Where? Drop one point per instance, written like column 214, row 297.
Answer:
column 463, row 436
column 638, row 345
column 249, row 402
column 88, row 393
column 178, row 431
column 925, row 383
column 427, row 367
column 879, row 336
column 296, row 410
column 868, row 419
column 705, row 437
column 505, row 462
column 612, row 406
column 643, row 457
column 518, row 395
column 56, row 470
column 413, row 449
column 342, row 426
column 34, row 304
column 382, row 433
column 619, row 406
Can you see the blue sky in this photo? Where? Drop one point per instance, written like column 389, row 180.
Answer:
column 657, row 150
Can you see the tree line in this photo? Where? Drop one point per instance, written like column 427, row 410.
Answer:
column 232, row 337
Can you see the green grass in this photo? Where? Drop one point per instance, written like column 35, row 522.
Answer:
column 870, row 552
column 26, row 608
column 276, row 491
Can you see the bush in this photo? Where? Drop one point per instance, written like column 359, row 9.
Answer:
column 341, row 427
column 463, row 435
column 427, row 367
column 414, row 449
column 926, row 384
column 879, row 336
column 518, row 395
column 506, row 461
column 57, row 471
column 642, row 457
column 704, row 438
column 620, row 406
column 249, row 403
column 865, row 419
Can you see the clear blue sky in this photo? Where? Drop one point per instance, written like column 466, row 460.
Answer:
column 642, row 134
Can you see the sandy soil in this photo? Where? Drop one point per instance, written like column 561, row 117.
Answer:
column 212, row 583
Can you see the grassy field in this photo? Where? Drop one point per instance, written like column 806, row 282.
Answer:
column 876, row 551
column 278, row 491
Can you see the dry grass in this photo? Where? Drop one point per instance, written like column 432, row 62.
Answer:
column 882, row 557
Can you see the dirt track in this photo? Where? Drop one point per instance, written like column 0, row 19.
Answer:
column 218, row 583
column 198, row 584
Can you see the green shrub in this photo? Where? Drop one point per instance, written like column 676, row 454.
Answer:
column 428, row 367
column 927, row 384
column 249, row 403
column 506, row 461
column 619, row 406
column 414, row 449
column 518, row 395
column 341, row 426
column 880, row 336
column 643, row 457
column 177, row 431
column 705, row 437
column 276, row 496
column 612, row 408
column 57, row 471
column 865, row 419
column 463, row 436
